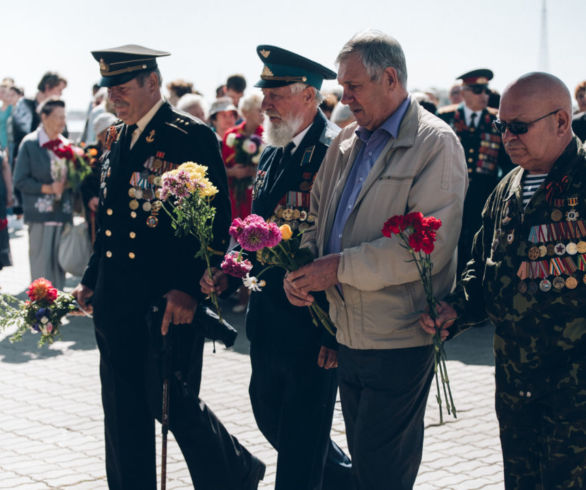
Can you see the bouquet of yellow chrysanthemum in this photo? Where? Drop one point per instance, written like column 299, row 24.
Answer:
column 187, row 194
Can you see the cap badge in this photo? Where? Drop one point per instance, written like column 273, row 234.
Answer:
column 266, row 72
column 103, row 65
column 265, row 53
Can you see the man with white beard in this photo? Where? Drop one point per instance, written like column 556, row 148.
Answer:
column 294, row 381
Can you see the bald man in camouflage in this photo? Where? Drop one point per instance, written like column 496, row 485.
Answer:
column 527, row 275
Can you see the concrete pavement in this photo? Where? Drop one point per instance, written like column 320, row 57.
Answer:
column 51, row 433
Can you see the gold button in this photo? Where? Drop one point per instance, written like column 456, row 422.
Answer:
column 108, row 254
column 133, row 214
column 132, row 234
column 131, row 255
column 109, row 212
column 471, row 150
column 108, row 233
column 470, row 160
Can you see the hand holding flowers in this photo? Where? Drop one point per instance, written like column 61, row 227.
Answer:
column 418, row 234
column 43, row 313
column 275, row 247
column 186, row 194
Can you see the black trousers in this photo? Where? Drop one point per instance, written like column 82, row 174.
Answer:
column 384, row 393
column 293, row 403
column 132, row 398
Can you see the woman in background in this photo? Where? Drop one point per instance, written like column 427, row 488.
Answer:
column 41, row 177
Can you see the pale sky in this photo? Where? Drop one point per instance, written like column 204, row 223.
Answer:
column 211, row 40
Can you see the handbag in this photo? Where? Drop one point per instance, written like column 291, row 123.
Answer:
column 75, row 248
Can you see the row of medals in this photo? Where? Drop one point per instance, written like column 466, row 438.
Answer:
column 295, row 218
column 557, row 283
column 151, row 204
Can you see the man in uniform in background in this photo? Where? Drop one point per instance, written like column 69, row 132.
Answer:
column 527, row 274
column 137, row 260
column 293, row 385
column 487, row 161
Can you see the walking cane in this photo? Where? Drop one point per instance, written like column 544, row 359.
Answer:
column 165, row 411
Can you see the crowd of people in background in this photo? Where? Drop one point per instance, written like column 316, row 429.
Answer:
column 233, row 114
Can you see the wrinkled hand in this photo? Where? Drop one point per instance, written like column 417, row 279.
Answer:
column 446, row 316
column 218, row 283
column 81, row 294
column 320, row 275
column 296, row 296
column 93, row 204
column 327, row 358
column 180, row 309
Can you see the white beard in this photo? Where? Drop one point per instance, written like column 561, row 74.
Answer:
column 284, row 132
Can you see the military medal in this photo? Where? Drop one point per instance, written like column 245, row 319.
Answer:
column 571, row 248
column 534, row 253
column 152, row 221
column 550, row 249
column 532, row 288
column 133, row 204
column 146, row 206
column 560, row 249
column 296, row 214
column 303, row 215
column 542, row 251
column 545, row 285
column 138, row 194
column 558, row 283
column 581, row 247
column 572, row 215
column 571, row 282
column 556, row 215
column 132, row 192
column 133, row 214
column 157, row 164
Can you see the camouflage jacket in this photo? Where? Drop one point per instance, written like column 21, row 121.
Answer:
column 528, row 275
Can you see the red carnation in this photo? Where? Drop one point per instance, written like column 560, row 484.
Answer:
column 393, row 226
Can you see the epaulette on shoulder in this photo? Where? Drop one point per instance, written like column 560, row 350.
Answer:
column 448, row 108
column 492, row 110
column 179, row 124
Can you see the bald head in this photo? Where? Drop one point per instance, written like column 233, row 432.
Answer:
column 545, row 103
column 542, row 90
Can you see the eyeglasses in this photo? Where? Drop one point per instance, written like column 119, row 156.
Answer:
column 518, row 127
column 476, row 89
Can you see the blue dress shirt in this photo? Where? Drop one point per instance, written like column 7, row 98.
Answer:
column 373, row 144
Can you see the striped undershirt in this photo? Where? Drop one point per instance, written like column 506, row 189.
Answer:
column 531, row 182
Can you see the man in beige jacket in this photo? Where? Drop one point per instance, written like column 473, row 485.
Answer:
column 397, row 158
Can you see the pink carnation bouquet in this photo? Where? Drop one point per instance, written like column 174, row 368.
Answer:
column 43, row 313
column 417, row 235
column 274, row 247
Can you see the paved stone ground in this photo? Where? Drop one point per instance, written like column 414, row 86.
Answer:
column 51, row 434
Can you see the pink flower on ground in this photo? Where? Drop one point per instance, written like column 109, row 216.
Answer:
column 235, row 267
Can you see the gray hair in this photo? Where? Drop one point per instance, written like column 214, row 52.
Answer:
column 377, row 51
column 299, row 87
column 250, row 101
column 192, row 100
column 142, row 76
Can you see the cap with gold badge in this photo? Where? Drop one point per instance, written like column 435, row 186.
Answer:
column 282, row 67
column 120, row 65
column 480, row 77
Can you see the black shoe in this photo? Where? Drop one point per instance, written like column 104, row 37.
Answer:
column 257, row 473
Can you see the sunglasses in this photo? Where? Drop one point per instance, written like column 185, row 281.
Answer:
column 518, row 127
column 476, row 89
